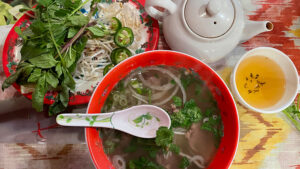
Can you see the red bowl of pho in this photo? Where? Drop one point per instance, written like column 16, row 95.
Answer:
column 205, row 127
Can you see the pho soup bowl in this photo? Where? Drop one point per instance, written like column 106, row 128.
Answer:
column 224, row 153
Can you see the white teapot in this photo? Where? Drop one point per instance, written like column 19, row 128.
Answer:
column 205, row 29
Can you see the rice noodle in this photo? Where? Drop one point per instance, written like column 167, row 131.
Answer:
column 179, row 131
column 168, row 98
column 196, row 159
column 176, row 79
column 119, row 162
column 139, row 98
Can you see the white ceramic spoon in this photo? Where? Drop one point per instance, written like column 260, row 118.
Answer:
column 140, row 121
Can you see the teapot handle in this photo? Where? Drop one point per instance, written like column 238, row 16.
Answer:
column 155, row 13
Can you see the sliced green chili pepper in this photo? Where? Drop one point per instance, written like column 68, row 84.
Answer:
column 124, row 37
column 107, row 68
column 115, row 25
column 119, row 54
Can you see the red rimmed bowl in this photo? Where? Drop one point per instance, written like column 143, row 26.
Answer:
column 228, row 146
column 10, row 61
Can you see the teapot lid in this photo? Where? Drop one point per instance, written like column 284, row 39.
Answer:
column 209, row 18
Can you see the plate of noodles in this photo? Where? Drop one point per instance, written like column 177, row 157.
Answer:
column 96, row 54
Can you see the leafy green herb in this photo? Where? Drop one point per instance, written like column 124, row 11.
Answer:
column 177, row 101
column 49, row 56
column 213, row 124
column 143, row 162
column 11, row 79
column 35, row 75
column 141, row 121
column 174, row 148
column 186, row 80
column 51, row 79
column 164, row 137
column 78, row 20
column 39, row 93
column 97, row 31
column 190, row 114
column 293, row 113
column 184, row 163
column 69, row 120
column 109, row 146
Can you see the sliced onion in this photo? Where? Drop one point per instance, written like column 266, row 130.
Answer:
column 176, row 79
column 168, row 98
column 148, row 84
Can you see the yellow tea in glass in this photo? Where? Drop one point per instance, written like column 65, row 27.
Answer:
column 260, row 81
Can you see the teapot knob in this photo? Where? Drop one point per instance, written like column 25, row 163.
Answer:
column 214, row 7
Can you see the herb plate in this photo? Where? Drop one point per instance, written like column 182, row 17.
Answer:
column 12, row 44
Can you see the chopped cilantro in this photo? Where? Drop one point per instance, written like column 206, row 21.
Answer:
column 173, row 82
column 143, row 162
column 213, row 124
column 174, row 148
column 142, row 120
column 190, row 114
column 184, row 163
column 109, row 146
column 186, row 81
column 164, row 137
column 177, row 101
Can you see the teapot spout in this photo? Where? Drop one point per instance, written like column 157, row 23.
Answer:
column 253, row 28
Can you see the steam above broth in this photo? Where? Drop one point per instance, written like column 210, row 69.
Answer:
column 196, row 129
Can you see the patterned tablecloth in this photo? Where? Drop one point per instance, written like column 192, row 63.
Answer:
column 267, row 141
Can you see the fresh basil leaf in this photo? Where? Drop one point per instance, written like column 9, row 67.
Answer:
column 39, row 93
column 96, row 31
column 24, row 65
column 78, row 20
column 26, row 71
column 51, row 79
column 31, row 50
column 68, row 80
column 59, row 33
column 38, row 27
column 56, row 107
column 35, row 75
column 78, row 47
column 58, row 69
column 72, row 32
column 64, row 95
column 71, row 4
column 61, row 12
column 11, row 79
column 44, row 3
column 70, row 57
column 44, row 61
